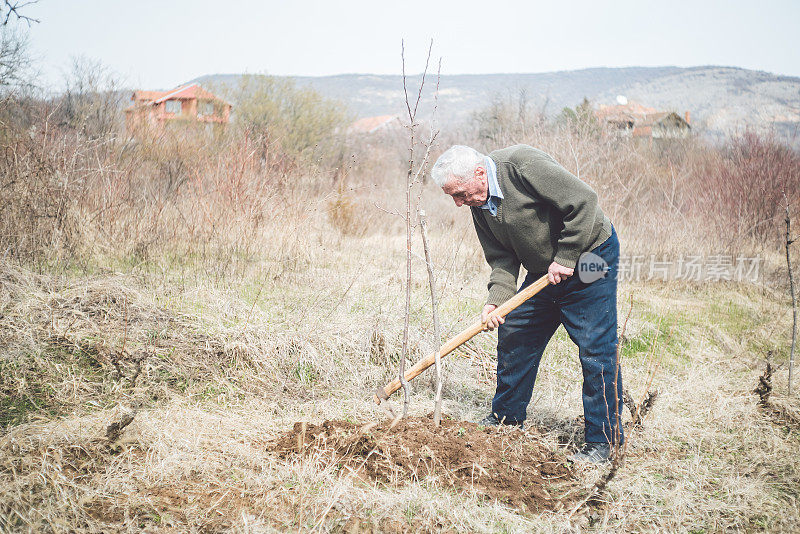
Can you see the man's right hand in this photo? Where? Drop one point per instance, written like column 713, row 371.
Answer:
column 493, row 322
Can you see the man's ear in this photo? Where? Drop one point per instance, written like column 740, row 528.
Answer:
column 480, row 173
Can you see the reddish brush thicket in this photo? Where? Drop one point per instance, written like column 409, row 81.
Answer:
column 743, row 187
column 67, row 196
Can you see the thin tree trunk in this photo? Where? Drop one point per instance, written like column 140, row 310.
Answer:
column 407, row 314
column 411, row 177
column 437, row 410
column 789, row 241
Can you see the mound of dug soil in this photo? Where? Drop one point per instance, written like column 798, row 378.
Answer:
column 500, row 463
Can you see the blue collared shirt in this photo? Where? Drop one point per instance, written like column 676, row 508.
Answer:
column 495, row 195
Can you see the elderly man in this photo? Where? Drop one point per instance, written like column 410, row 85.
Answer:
column 528, row 210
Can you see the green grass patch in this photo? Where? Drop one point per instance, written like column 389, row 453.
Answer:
column 15, row 410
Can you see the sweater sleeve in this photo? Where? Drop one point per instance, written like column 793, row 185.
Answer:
column 572, row 197
column 504, row 263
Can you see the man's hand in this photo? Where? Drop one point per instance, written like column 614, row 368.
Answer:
column 490, row 323
column 557, row 272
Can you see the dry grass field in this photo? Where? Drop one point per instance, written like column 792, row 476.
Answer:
column 191, row 335
column 219, row 360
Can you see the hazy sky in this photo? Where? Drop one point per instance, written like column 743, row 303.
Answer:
column 159, row 44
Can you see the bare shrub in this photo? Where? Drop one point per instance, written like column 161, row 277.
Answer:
column 508, row 115
column 36, row 190
column 342, row 213
column 641, row 194
column 17, row 107
column 65, row 195
column 92, row 101
column 15, row 60
column 741, row 188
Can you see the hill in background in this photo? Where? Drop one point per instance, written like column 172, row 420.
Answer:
column 720, row 99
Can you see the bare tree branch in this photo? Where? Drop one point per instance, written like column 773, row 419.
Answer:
column 422, row 83
column 13, row 8
column 14, row 58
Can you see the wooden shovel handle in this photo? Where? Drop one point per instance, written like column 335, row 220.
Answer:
column 456, row 341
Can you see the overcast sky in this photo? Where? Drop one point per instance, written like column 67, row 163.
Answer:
column 162, row 43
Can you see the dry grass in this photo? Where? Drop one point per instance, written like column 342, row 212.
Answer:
column 233, row 360
column 225, row 297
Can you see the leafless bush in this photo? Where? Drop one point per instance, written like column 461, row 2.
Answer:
column 92, row 101
column 68, row 196
column 15, row 61
column 352, row 215
column 506, row 116
column 741, row 187
column 38, row 183
column 16, row 82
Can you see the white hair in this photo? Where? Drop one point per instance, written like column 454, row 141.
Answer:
column 457, row 162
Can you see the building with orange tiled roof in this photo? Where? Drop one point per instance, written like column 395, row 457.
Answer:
column 187, row 104
column 379, row 123
column 633, row 119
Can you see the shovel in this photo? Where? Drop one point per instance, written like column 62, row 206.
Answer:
column 456, row 341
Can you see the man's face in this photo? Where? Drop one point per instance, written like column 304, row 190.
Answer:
column 473, row 192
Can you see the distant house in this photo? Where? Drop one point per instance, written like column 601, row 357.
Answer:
column 635, row 120
column 186, row 104
column 378, row 124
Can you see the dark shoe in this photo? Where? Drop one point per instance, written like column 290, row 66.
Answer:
column 492, row 420
column 596, row 453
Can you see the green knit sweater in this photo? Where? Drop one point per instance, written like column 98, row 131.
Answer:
column 546, row 214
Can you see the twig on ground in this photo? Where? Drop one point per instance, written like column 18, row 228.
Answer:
column 639, row 410
column 114, row 430
column 764, row 388
column 780, row 414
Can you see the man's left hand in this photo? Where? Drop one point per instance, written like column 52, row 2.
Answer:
column 557, row 272
column 493, row 322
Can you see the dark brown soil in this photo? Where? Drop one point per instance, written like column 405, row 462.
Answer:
column 500, row 463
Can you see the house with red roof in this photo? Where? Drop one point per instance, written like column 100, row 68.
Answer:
column 185, row 104
column 378, row 124
column 632, row 119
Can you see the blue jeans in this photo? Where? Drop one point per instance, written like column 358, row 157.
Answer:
column 589, row 314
